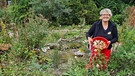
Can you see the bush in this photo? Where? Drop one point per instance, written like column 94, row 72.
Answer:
column 117, row 7
column 66, row 12
column 34, row 31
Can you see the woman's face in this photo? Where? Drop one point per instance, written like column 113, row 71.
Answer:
column 105, row 16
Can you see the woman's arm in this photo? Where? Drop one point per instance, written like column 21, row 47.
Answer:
column 91, row 31
column 115, row 35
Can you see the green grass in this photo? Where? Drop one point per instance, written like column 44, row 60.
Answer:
column 22, row 61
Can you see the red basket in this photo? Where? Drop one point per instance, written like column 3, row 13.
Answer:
column 102, row 39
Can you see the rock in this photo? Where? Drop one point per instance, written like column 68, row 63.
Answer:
column 79, row 53
column 44, row 49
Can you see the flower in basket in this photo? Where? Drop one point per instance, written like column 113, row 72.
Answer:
column 99, row 43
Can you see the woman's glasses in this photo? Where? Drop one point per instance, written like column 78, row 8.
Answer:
column 105, row 14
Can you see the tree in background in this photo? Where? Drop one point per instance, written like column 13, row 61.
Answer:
column 117, row 6
column 83, row 9
column 129, row 2
column 66, row 12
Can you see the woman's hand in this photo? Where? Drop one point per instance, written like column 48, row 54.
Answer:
column 90, row 40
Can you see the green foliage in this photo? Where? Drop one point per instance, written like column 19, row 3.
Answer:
column 127, row 37
column 18, row 51
column 76, row 69
column 117, row 7
column 17, row 11
column 131, row 2
column 25, row 69
column 117, row 18
column 4, row 37
column 22, row 62
column 30, row 35
column 56, row 58
column 53, row 37
column 51, row 9
column 66, row 12
column 114, row 5
column 34, row 31
column 123, row 59
column 82, row 9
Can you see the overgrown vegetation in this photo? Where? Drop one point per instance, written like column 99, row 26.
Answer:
column 29, row 25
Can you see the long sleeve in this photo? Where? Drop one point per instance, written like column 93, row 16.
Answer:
column 91, row 31
column 115, row 35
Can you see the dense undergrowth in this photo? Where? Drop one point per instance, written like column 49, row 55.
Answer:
column 28, row 33
column 22, row 59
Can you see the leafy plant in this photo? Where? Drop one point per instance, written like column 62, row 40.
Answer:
column 122, row 60
column 76, row 69
column 51, row 9
column 34, row 31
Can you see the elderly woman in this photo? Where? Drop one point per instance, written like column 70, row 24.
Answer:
column 103, row 28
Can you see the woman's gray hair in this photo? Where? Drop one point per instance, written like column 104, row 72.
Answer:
column 106, row 10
